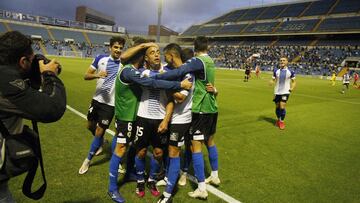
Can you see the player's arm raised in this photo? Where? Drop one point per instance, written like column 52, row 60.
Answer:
column 125, row 56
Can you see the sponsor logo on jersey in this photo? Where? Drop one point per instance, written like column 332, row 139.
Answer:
column 174, row 136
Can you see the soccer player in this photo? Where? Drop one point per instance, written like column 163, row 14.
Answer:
column 154, row 115
column 346, row 81
column 187, row 54
column 247, row 73
column 204, row 113
column 101, row 111
column 127, row 97
column 356, row 78
column 180, row 122
column 284, row 80
column 333, row 78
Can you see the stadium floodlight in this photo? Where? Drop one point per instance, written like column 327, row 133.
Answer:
column 160, row 3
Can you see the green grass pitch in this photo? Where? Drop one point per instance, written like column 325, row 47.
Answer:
column 315, row 159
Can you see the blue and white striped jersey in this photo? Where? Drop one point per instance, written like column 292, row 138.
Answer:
column 105, row 87
column 283, row 79
column 153, row 101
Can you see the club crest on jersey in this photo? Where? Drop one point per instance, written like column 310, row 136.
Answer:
column 105, row 122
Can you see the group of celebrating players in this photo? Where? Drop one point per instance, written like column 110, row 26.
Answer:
column 163, row 106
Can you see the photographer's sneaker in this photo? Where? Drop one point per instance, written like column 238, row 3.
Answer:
column 84, row 167
column 199, row 194
column 116, row 197
column 182, row 179
column 140, row 189
column 153, row 189
column 121, row 170
column 213, row 180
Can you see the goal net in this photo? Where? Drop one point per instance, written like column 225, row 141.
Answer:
column 77, row 54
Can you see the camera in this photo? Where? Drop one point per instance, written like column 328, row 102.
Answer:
column 35, row 75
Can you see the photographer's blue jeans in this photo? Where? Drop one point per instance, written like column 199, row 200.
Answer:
column 5, row 195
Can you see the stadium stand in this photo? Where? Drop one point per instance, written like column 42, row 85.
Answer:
column 318, row 8
column 2, row 28
column 294, row 10
column 347, row 6
column 30, row 30
column 260, row 27
column 98, row 38
column 234, row 16
column 271, row 12
column 316, row 35
column 252, row 14
column 60, row 35
column 340, row 24
column 207, row 30
column 297, row 26
column 231, row 29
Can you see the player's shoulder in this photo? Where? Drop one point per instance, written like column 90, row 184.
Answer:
column 101, row 56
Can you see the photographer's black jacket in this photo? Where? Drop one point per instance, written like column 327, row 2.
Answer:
column 18, row 100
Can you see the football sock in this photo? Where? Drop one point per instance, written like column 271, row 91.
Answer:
column 96, row 143
column 282, row 114
column 113, row 172
column 174, row 168
column 140, row 168
column 154, row 168
column 187, row 160
column 277, row 111
column 213, row 158
column 198, row 163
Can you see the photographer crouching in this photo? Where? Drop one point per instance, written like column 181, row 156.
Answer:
column 29, row 89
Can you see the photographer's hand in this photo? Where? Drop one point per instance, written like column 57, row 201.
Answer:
column 53, row 66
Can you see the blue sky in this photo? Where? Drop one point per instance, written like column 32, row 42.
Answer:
column 136, row 15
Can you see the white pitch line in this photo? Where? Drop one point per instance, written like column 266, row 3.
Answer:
column 209, row 188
